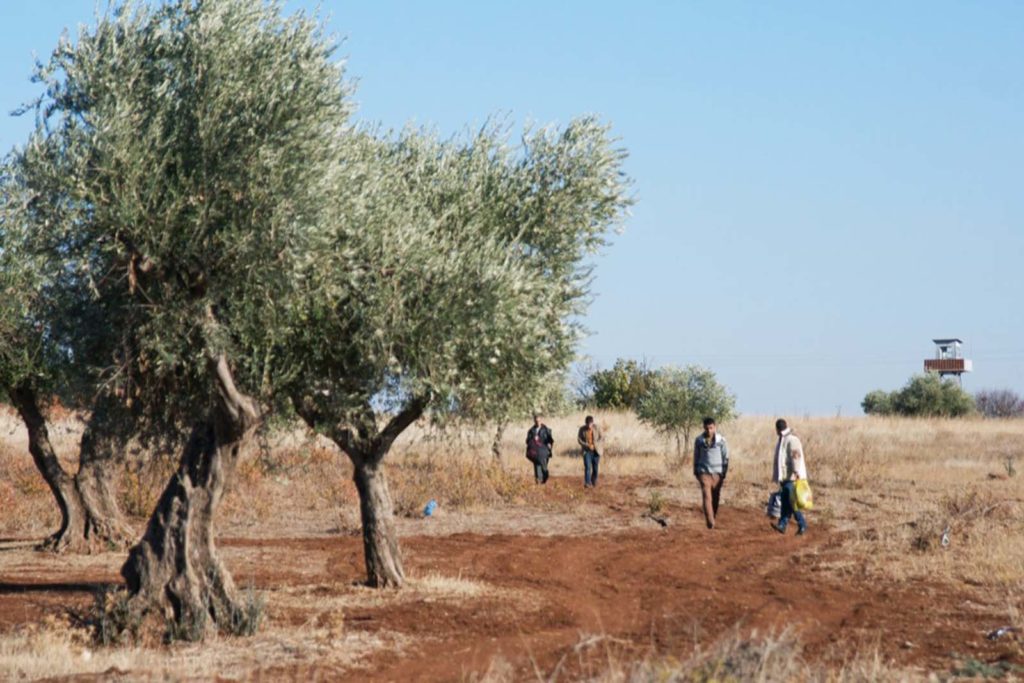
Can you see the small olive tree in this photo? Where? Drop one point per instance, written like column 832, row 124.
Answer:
column 679, row 399
column 472, row 270
column 176, row 175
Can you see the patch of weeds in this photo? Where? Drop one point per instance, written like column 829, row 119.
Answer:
column 112, row 619
column 971, row 667
column 928, row 533
column 851, row 473
column 770, row 658
column 245, row 620
column 190, row 628
column 1011, row 470
column 655, row 503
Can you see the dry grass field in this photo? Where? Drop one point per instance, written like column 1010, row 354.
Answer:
column 915, row 555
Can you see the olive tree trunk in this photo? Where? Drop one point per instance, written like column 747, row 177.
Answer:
column 90, row 517
column 175, row 569
column 380, row 539
column 96, row 481
column 499, row 434
column 366, row 448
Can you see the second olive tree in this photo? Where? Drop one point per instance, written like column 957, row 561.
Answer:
column 679, row 398
column 472, row 274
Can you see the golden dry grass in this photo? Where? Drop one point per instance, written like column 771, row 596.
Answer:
column 57, row 648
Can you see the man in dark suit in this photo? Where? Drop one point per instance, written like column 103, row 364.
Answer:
column 538, row 448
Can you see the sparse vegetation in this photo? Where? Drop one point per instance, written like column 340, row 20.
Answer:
column 655, row 503
column 999, row 403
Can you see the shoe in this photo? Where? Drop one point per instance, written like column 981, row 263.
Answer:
column 779, row 527
column 801, row 531
column 711, row 525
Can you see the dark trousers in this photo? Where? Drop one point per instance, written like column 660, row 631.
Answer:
column 540, row 471
column 711, row 490
column 788, row 496
column 590, row 462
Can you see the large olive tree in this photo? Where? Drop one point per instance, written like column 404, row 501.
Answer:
column 472, row 275
column 178, row 170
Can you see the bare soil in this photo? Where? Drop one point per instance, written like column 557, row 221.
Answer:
column 644, row 588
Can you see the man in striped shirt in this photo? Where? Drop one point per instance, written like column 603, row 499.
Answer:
column 710, row 465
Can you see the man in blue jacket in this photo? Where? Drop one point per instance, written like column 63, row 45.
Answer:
column 710, row 465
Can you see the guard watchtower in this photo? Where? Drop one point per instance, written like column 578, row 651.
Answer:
column 949, row 359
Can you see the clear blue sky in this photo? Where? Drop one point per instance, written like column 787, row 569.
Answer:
column 822, row 187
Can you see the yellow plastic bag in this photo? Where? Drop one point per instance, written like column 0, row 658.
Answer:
column 804, row 497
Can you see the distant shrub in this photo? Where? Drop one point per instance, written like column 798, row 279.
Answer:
column 621, row 386
column 999, row 403
column 923, row 396
column 877, row 402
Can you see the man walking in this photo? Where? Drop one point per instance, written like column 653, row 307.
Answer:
column 587, row 439
column 789, row 466
column 538, row 448
column 710, row 465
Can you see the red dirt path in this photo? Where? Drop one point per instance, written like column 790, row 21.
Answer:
column 660, row 590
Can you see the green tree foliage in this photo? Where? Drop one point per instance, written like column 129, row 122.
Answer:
column 923, row 396
column 680, row 398
column 179, row 161
column 622, row 386
column 25, row 356
column 468, row 268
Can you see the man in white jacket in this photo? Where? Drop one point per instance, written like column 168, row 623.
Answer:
column 790, row 465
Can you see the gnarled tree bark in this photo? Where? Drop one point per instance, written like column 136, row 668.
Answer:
column 175, row 569
column 99, row 456
column 90, row 517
